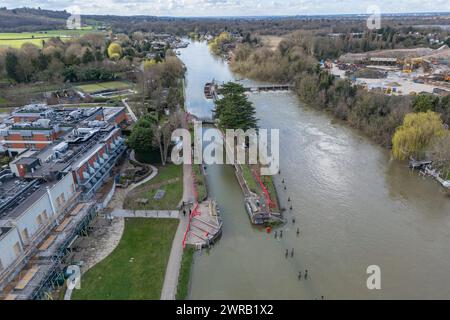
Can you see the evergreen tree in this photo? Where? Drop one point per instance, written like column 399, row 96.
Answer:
column 11, row 64
column 87, row 56
column 234, row 111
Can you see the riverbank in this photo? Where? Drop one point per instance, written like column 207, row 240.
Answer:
column 185, row 273
column 353, row 206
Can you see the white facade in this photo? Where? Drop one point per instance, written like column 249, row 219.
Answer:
column 10, row 248
column 35, row 222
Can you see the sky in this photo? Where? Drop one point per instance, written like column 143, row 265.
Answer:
column 196, row 8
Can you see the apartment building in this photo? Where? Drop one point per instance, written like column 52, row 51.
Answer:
column 47, row 193
column 37, row 126
column 28, row 211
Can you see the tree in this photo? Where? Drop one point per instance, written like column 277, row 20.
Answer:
column 162, row 138
column 440, row 154
column 114, row 51
column 140, row 139
column 415, row 134
column 11, row 63
column 425, row 102
column 87, row 56
column 216, row 44
column 142, row 135
column 234, row 111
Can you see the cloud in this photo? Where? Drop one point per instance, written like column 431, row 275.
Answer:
column 231, row 7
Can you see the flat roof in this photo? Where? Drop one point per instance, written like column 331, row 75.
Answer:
column 27, row 202
column 26, row 160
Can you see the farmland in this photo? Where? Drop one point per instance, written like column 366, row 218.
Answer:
column 16, row 40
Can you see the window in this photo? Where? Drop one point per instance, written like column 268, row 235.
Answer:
column 25, row 236
column 73, row 188
column 60, row 200
column 44, row 215
column 1, row 266
column 39, row 220
column 17, row 249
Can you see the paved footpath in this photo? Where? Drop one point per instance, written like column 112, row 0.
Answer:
column 170, row 285
column 130, row 111
column 123, row 213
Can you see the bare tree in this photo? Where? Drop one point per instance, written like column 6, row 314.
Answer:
column 163, row 134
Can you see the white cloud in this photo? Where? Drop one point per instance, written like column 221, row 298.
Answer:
column 232, row 7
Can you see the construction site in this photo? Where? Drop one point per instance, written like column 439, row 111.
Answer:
column 398, row 71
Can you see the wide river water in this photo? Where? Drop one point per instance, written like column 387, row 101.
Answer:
column 354, row 206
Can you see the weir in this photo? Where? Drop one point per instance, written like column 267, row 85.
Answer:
column 212, row 89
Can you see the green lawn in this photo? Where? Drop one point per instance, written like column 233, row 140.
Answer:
column 135, row 269
column 248, row 176
column 255, row 187
column 102, row 86
column 16, row 40
column 185, row 273
column 170, row 179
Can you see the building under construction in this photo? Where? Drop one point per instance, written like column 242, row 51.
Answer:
column 47, row 201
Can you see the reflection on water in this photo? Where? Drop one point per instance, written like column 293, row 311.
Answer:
column 354, row 207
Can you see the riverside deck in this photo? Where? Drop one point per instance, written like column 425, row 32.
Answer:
column 205, row 226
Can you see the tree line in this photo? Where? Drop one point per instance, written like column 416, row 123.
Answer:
column 82, row 59
column 376, row 114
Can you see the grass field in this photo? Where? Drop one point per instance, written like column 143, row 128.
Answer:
column 17, row 43
column 102, row 86
column 185, row 273
column 271, row 42
column 21, row 94
column 169, row 179
column 16, row 40
column 248, row 176
column 135, row 269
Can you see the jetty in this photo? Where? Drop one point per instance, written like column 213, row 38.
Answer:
column 425, row 168
column 205, row 226
column 415, row 164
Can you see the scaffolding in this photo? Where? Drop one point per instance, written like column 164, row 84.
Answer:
column 50, row 262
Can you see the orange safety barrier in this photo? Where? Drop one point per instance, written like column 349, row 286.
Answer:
column 270, row 203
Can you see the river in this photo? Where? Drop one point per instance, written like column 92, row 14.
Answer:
column 354, row 206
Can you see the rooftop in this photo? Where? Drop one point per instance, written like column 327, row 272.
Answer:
column 79, row 141
column 16, row 193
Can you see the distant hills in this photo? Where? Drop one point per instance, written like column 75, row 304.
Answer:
column 27, row 19
column 32, row 19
